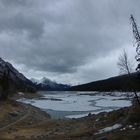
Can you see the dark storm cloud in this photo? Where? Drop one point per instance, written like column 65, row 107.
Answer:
column 18, row 17
column 63, row 36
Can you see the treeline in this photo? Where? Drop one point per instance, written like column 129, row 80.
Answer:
column 4, row 82
column 10, row 85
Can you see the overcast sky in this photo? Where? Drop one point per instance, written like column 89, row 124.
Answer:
column 70, row 41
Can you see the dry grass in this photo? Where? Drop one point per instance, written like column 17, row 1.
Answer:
column 37, row 125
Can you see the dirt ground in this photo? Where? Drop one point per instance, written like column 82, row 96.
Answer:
column 25, row 122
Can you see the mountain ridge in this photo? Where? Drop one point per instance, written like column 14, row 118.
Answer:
column 16, row 79
column 117, row 83
column 47, row 84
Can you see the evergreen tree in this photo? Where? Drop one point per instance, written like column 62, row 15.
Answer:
column 5, row 84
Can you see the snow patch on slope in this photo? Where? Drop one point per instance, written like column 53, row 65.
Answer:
column 108, row 129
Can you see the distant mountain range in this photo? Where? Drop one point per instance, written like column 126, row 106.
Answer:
column 47, row 84
column 118, row 83
column 18, row 82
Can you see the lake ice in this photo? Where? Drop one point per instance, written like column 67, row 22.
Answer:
column 78, row 104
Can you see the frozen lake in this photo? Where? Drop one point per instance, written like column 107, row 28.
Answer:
column 78, row 104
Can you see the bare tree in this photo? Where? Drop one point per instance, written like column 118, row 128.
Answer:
column 126, row 66
column 124, row 63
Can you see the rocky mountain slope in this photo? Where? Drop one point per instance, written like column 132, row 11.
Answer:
column 17, row 81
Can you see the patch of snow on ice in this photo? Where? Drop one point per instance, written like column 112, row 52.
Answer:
column 86, row 114
column 69, row 103
column 113, row 103
column 76, row 116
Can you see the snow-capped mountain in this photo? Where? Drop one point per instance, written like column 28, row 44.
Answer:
column 47, row 84
column 35, row 81
column 19, row 82
column 17, row 79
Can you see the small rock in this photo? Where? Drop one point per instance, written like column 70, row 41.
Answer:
column 130, row 126
column 14, row 114
column 89, row 114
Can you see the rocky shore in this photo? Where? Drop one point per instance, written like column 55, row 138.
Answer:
column 25, row 122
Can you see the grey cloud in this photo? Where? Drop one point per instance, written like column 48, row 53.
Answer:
column 14, row 2
column 62, row 36
column 17, row 16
